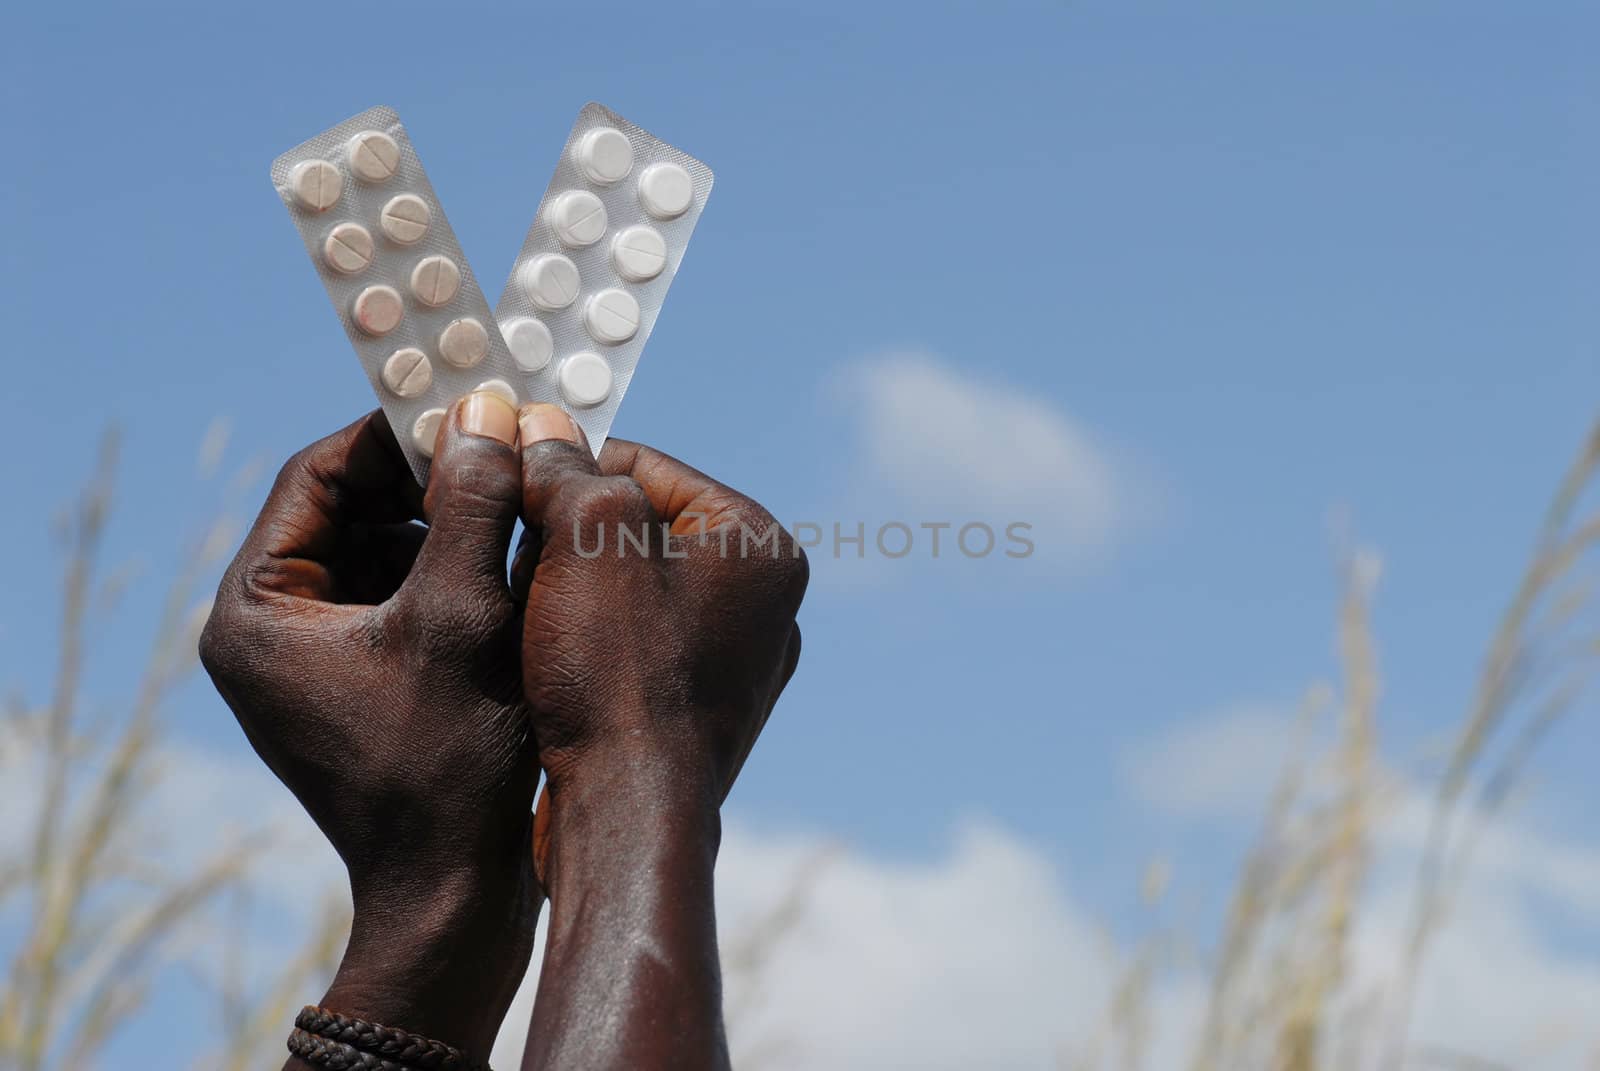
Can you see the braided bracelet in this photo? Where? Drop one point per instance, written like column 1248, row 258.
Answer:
column 340, row 1043
column 336, row 1055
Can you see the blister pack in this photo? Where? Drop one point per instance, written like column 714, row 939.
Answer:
column 596, row 264
column 396, row 275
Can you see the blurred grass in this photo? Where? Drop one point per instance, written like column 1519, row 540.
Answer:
column 99, row 920
column 1280, row 996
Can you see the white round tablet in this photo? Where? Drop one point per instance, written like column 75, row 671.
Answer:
column 585, row 379
column 530, row 343
column 405, row 218
column 500, row 388
column 665, row 190
column 377, row 310
column 435, row 280
column 551, row 281
column 348, row 248
column 605, row 155
column 612, row 316
column 374, row 156
column 407, row 372
column 578, row 217
column 639, row 253
column 426, row 430
column 316, row 184
column 463, row 342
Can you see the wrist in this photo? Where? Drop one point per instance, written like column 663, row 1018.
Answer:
column 632, row 850
column 634, row 793
column 438, row 954
column 665, row 754
column 623, row 810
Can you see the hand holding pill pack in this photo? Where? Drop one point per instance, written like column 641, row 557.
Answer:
column 580, row 303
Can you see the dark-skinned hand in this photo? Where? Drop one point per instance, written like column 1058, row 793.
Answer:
column 374, row 666
column 649, row 668
column 403, row 691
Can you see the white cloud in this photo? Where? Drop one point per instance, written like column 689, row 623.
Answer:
column 1495, row 986
column 896, row 963
column 957, row 446
column 1222, row 765
column 979, row 958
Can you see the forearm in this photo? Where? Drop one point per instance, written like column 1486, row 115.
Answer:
column 631, row 976
column 439, row 957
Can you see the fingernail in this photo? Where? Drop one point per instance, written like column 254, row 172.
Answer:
column 488, row 415
column 541, row 421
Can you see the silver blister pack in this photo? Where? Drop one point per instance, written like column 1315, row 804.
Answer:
column 396, row 275
column 596, row 264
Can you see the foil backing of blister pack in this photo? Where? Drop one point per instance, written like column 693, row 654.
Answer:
column 421, row 327
column 569, row 336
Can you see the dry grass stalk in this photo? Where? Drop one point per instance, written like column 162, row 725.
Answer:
column 1257, row 893
column 1279, row 994
column 1124, row 1031
column 1281, row 968
column 76, row 976
column 256, row 1027
column 1344, row 870
column 1128, row 1017
column 99, row 923
column 1519, row 672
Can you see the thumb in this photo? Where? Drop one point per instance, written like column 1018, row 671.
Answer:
column 555, row 454
column 473, row 498
column 563, row 491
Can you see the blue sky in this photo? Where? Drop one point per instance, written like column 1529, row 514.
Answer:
column 1255, row 265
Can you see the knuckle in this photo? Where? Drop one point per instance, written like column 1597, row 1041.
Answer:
column 471, row 489
column 292, row 471
column 445, row 619
column 226, row 639
column 787, row 576
column 759, row 529
column 215, row 649
column 799, row 574
column 460, row 622
column 749, row 515
column 771, row 550
column 600, row 500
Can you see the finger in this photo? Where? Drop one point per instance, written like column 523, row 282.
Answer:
column 474, row 493
column 554, row 453
column 684, row 496
column 356, row 475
